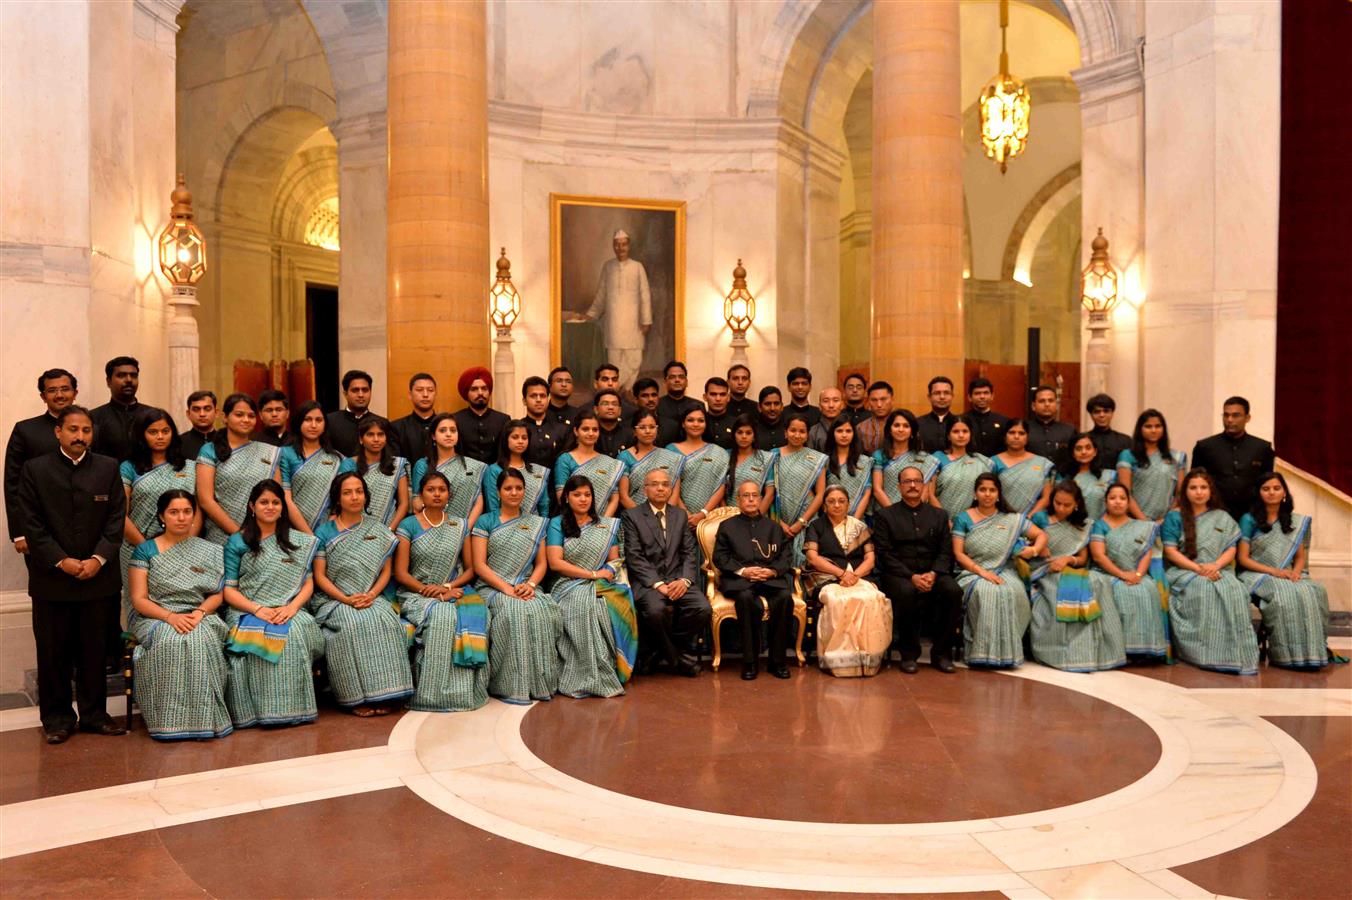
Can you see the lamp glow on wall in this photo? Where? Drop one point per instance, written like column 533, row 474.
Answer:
column 739, row 312
column 1098, row 294
column 1005, row 105
column 183, row 260
column 504, row 308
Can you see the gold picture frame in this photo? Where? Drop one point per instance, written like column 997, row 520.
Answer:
column 580, row 229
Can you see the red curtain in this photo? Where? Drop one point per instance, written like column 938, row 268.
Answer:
column 1314, row 259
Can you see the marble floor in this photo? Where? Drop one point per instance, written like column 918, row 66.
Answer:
column 1153, row 782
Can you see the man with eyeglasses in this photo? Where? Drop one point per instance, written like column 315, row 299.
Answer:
column 32, row 438
column 915, row 554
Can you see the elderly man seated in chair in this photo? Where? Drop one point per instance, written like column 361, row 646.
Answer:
column 755, row 562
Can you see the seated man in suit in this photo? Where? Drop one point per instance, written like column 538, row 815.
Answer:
column 753, row 556
column 662, row 559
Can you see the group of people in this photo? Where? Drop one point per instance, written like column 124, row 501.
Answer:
column 438, row 559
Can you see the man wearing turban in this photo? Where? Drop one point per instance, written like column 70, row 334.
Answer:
column 624, row 308
column 480, row 426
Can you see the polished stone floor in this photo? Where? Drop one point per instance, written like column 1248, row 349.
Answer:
column 1151, row 782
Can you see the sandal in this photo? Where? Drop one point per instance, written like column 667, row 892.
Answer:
column 364, row 712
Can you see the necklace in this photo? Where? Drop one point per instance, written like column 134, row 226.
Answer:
column 428, row 521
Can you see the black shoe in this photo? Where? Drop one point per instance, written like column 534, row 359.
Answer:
column 688, row 668
column 107, row 727
column 910, row 666
column 56, row 735
column 646, row 665
column 780, row 671
column 944, row 664
column 749, row 672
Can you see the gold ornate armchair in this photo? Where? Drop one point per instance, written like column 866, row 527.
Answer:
column 706, row 532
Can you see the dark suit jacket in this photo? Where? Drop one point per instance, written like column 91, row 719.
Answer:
column 743, row 542
column 912, row 540
column 71, row 511
column 649, row 556
column 1236, row 465
column 30, row 439
column 410, row 435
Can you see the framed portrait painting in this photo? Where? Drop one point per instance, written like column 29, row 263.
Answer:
column 618, row 273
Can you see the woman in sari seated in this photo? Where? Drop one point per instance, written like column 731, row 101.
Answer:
column 958, row 468
column 900, row 448
column 643, row 458
column 600, row 628
column 704, row 469
column 986, row 540
column 1025, row 478
column 800, row 482
column 175, row 583
column 308, row 465
column 1083, row 469
column 1151, row 471
column 512, row 448
column 465, row 475
column 385, row 474
column 450, row 621
column 156, row 465
column 850, row 467
column 507, row 548
column 1074, row 627
column 367, row 648
column 747, row 463
column 274, row 642
column 1208, row 605
column 604, row 472
column 1124, row 571
column 854, row 626
column 229, row 467
column 1273, row 551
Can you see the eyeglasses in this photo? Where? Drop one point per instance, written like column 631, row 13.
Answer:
column 58, row 390
column 911, row 481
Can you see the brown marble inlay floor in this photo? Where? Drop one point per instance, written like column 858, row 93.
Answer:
column 1189, row 676
column 888, row 749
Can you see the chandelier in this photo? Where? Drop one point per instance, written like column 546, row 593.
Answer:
column 1005, row 106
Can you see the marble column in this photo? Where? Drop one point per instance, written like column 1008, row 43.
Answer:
column 917, row 197
column 437, row 248
column 361, row 264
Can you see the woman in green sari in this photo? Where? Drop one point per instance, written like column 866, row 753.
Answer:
column 1273, row 551
column 703, row 470
column 156, row 465
column 1125, row 571
column 507, row 547
column 230, row 465
column 367, row 648
column 1151, row 471
column 512, row 448
column 800, row 483
column 385, row 474
column 1025, row 478
column 1074, row 627
column 464, row 474
column 1082, row 468
column 604, row 472
column 450, row 621
column 600, row 628
column 747, row 463
column 643, row 458
column 308, row 465
column 986, row 541
column 850, row 467
column 1208, row 605
column 273, row 642
column 175, row 583
column 958, row 468
column 900, row 448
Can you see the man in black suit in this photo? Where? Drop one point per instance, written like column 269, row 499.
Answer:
column 753, row 559
column 32, row 438
column 1046, row 436
column 342, row 423
column 615, row 434
column 72, row 507
column 1235, row 458
column 988, row 426
column 1109, row 443
column 113, row 420
column 662, row 559
column 480, row 425
column 915, row 554
column 202, row 417
column 411, row 431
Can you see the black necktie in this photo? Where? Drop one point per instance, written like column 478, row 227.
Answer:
column 662, row 520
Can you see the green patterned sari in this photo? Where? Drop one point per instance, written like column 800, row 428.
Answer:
column 523, row 656
column 1210, row 619
column 1073, row 627
column 599, row 643
column 308, row 480
column 146, row 488
column 1022, row 483
column 1142, row 608
column 381, row 489
column 466, row 478
column 1155, row 486
column 235, row 479
column 891, row 470
column 701, row 474
column 855, row 485
column 996, row 615
column 795, row 479
column 637, row 470
column 1296, row 613
column 955, row 483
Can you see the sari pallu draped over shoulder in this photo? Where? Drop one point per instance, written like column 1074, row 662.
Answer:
column 1153, row 487
column 955, row 482
column 855, row 485
column 795, row 477
column 235, row 479
column 382, row 490
column 1143, row 608
column 638, row 469
column 180, row 678
column 1295, row 613
column 1072, row 628
column 523, row 657
column 143, row 503
column 891, row 470
column 466, row 479
column 996, row 615
column 600, row 628
column 308, row 480
column 1022, row 483
column 367, row 648
column 1210, row 619
column 701, row 473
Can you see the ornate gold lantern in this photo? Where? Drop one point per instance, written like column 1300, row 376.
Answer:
column 1005, row 106
column 183, row 250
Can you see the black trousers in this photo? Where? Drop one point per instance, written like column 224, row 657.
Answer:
column 71, row 643
column 667, row 627
column 749, row 611
column 939, row 609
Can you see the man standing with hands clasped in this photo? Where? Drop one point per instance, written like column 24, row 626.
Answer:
column 72, row 507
